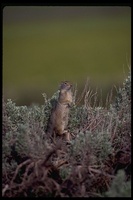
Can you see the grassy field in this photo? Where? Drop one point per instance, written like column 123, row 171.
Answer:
column 38, row 55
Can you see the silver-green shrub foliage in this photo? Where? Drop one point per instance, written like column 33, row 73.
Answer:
column 119, row 188
column 24, row 128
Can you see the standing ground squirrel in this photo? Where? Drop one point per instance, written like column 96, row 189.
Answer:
column 58, row 120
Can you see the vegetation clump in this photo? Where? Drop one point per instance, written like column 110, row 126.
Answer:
column 97, row 162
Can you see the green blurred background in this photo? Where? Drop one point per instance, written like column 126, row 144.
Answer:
column 44, row 45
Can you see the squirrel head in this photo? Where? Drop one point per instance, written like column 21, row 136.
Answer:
column 65, row 85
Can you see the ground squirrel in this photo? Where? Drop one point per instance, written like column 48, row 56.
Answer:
column 58, row 120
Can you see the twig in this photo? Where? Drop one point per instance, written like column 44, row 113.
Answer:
column 19, row 166
column 62, row 162
column 27, row 170
column 4, row 189
column 100, row 172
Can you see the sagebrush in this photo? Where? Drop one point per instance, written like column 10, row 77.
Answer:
column 87, row 167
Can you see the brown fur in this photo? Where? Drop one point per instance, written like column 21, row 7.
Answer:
column 59, row 115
